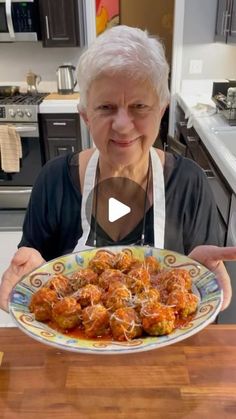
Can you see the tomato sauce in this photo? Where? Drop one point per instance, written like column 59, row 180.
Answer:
column 79, row 333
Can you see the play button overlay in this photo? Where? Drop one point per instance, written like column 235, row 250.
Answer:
column 117, row 206
column 116, row 209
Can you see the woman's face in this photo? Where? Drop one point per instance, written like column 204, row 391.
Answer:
column 123, row 116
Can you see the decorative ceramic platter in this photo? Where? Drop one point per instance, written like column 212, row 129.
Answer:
column 205, row 285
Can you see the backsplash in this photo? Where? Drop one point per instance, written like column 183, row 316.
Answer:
column 218, row 59
column 18, row 58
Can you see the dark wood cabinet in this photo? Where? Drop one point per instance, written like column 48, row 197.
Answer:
column 61, row 23
column 61, row 134
column 225, row 30
column 232, row 25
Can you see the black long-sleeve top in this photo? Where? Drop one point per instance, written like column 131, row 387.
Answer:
column 52, row 223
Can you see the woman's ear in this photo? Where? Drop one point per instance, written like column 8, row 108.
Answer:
column 162, row 111
column 84, row 116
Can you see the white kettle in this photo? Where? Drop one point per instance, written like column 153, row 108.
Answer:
column 66, row 79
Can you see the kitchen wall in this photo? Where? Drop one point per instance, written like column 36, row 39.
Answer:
column 219, row 60
column 155, row 16
column 17, row 58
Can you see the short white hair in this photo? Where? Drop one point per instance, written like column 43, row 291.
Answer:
column 123, row 49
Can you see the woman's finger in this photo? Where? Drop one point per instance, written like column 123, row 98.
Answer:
column 213, row 253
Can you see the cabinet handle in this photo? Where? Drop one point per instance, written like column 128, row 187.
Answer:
column 191, row 139
column 59, row 123
column 47, row 27
column 62, row 148
column 223, row 23
column 14, row 191
column 227, row 15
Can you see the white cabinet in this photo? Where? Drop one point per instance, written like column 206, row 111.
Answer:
column 9, row 241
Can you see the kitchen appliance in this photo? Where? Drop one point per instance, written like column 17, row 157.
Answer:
column 231, row 97
column 32, row 82
column 66, row 79
column 21, row 110
column 19, row 21
column 224, row 96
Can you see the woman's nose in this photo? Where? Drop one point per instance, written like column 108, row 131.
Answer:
column 122, row 121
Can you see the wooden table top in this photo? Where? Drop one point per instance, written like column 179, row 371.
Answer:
column 195, row 378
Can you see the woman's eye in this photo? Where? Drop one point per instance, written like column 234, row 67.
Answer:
column 106, row 107
column 139, row 106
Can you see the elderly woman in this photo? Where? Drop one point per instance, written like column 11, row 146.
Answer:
column 123, row 79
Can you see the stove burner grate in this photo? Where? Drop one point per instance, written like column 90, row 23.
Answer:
column 22, row 99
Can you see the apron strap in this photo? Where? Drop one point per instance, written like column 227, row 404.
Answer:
column 89, row 183
column 159, row 206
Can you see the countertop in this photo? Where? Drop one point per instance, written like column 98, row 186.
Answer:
column 195, row 378
column 57, row 103
column 206, row 127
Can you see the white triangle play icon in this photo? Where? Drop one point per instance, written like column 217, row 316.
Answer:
column 116, row 209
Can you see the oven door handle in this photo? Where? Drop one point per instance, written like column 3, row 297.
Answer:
column 9, row 19
column 20, row 191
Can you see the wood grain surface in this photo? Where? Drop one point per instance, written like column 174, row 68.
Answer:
column 195, row 378
column 58, row 96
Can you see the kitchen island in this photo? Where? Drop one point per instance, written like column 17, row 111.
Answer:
column 191, row 379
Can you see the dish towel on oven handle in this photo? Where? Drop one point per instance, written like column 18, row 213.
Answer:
column 10, row 149
column 159, row 215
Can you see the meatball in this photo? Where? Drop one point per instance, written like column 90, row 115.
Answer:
column 138, row 280
column 175, row 278
column 157, row 319
column 125, row 324
column 117, row 296
column 88, row 295
column 60, row 284
column 96, row 321
column 41, row 304
column 67, row 313
column 101, row 261
column 184, row 303
column 124, row 260
column 83, row 277
column 152, row 265
column 109, row 276
column 151, row 294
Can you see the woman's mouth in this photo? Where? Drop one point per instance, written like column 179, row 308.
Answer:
column 124, row 143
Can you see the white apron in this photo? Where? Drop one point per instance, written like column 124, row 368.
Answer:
column 158, row 200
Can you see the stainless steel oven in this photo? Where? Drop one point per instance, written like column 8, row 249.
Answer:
column 19, row 21
column 21, row 111
column 15, row 188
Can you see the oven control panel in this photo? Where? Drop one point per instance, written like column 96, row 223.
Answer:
column 16, row 113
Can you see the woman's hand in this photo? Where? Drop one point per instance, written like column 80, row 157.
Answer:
column 25, row 260
column 212, row 257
